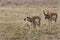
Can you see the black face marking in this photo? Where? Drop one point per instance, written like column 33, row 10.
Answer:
column 45, row 17
column 27, row 17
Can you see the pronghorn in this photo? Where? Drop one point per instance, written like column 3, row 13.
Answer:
column 50, row 16
column 35, row 20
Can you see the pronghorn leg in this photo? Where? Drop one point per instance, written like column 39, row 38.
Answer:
column 38, row 28
column 55, row 24
column 38, row 24
column 49, row 25
column 47, row 21
column 34, row 25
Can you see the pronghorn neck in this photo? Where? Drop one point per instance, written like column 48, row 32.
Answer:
column 29, row 19
column 47, row 16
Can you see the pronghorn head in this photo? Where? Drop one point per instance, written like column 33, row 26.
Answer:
column 28, row 19
column 46, row 14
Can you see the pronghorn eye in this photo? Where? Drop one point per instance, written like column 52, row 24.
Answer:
column 27, row 17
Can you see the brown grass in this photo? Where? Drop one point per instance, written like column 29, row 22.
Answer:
column 12, row 25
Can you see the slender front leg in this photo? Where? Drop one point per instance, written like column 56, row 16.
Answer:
column 49, row 27
column 34, row 25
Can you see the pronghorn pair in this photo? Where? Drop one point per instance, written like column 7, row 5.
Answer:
column 36, row 20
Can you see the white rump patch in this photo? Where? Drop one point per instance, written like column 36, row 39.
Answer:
column 54, row 16
column 36, row 21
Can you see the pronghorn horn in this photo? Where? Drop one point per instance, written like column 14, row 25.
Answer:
column 47, row 12
column 44, row 11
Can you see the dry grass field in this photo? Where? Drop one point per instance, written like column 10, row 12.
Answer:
column 13, row 26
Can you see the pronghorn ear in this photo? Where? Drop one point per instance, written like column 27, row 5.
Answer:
column 44, row 12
